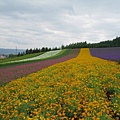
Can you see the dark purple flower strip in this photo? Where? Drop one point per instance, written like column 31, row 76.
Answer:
column 11, row 73
column 106, row 53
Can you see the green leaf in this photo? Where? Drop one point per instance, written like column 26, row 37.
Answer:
column 118, row 76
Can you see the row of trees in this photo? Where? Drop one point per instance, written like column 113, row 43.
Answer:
column 109, row 43
column 37, row 50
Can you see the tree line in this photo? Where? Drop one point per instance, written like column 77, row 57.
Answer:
column 36, row 50
column 109, row 43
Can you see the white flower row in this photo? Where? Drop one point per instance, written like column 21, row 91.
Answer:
column 45, row 55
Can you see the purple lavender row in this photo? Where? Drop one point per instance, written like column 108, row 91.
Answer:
column 112, row 53
column 11, row 73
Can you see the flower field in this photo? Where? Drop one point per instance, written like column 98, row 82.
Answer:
column 11, row 73
column 83, row 88
column 112, row 53
column 42, row 56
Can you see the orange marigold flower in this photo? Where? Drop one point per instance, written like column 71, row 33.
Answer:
column 53, row 117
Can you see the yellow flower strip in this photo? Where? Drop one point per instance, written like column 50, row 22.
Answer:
column 85, row 87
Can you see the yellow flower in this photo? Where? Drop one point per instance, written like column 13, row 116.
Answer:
column 97, row 118
column 88, row 114
column 99, row 113
column 74, row 86
column 53, row 117
column 118, row 96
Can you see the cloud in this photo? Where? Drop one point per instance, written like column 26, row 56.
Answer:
column 38, row 23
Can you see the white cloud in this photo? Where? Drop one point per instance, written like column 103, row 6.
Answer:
column 51, row 23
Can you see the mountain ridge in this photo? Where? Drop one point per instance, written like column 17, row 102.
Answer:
column 6, row 51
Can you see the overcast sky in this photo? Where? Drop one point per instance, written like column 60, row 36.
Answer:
column 51, row 23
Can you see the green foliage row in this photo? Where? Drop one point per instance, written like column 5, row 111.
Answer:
column 36, row 50
column 109, row 43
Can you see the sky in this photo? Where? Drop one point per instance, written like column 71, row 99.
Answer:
column 52, row 23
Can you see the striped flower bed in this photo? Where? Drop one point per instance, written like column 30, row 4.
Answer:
column 45, row 55
column 83, row 88
column 11, row 73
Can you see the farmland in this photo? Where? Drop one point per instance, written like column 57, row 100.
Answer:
column 82, row 88
column 20, row 58
column 106, row 53
column 41, row 56
column 14, row 71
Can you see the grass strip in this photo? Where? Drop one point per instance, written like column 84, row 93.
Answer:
column 20, row 57
column 59, row 55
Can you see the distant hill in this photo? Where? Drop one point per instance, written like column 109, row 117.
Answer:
column 10, row 51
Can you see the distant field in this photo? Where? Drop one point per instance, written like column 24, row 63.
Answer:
column 38, row 57
column 32, row 58
column 20, row 57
